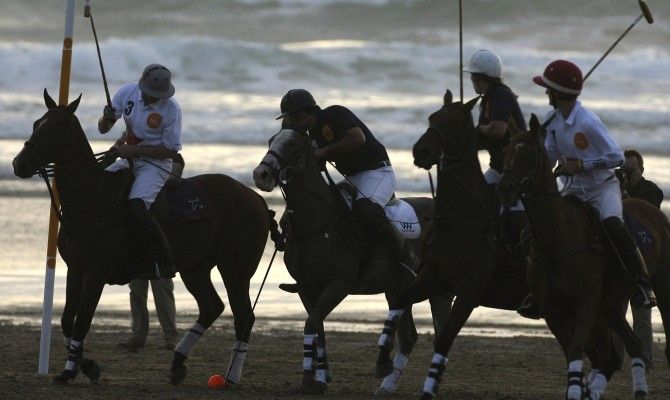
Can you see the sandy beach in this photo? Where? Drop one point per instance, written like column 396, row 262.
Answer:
column 523, row 367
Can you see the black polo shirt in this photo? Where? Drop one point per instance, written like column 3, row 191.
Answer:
column 647, row 190
column 498, row 104
column 331, row 126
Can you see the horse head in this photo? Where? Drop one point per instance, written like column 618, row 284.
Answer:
column 52, row 138
column 287, row 156
column 447, row 133
column 524, row 163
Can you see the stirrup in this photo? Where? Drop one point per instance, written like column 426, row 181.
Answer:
column 529, row 308
column 643, row 296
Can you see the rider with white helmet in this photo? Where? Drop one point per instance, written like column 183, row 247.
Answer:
column 500, row 113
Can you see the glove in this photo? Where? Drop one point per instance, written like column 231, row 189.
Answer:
column 109, row 113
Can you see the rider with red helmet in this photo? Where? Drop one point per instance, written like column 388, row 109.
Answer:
column 586, row 151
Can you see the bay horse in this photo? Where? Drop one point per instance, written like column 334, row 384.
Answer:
column 575, row 280
column 464, row 253
column 95, row 242
column 326, row 255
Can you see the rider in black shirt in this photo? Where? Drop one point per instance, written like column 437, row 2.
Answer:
column 340, row 136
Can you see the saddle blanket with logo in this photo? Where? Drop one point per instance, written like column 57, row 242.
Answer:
column 643, row 238
column 187, row 202
column 399, row 213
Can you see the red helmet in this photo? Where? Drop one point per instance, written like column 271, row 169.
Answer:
column 563, row 76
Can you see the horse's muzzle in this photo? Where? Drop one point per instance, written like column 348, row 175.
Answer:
column 22, row 166
column 264, row 178
column 506, row 189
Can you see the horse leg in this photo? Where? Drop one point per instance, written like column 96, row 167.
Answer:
column 586, row 312
column 73, row 289
column 330, row 297
column 662, row 290
column 604, row 358
column 618, row 323
column 422, row 288
column 210, row 306
column 460, row 313
column 237, row 288
column 391, row 371
column 91, row 290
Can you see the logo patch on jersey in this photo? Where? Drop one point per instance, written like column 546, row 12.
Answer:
column 154, row 120
column 580, row 141
column 327, row 133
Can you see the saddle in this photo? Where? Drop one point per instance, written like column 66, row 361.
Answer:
column 182, row 202
column 401, row 215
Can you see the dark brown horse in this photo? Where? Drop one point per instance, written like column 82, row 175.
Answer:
column 94, row 243
column 581, row 287
column 465, row 253
column 326, row 255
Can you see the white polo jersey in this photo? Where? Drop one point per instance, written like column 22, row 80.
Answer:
column 583, row 136
column 155, row 124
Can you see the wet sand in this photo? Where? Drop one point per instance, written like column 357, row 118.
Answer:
column 480, row 367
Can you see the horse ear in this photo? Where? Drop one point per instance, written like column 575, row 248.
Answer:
column 72, row 107
column 448, row 98
column 470, row 104
column 50, row 103
column 535, row 126
column 513, row 129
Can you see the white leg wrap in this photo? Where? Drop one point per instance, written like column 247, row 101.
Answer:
column 237, row 358
column 322, row 371
column 390, row 382
column 437, row 366
column 597, row 385
column 309, row 350
column 638, row 369
column 594, row 372
column 190, row 339
column 575, row 380
column 386, row 336
column 71, row 362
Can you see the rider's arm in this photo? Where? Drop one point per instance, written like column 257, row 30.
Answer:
column 604, row 153
column 353, row 139
column 494, row 129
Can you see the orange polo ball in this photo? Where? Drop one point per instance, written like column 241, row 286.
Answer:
column 216, row 382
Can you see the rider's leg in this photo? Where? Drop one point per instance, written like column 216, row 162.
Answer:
column 633, row 262
column 149, row 180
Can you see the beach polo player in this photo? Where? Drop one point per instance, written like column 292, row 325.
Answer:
column 153, row 137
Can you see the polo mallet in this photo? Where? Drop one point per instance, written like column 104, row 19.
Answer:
column 460, row 44
column 88, row 14
column 645, row 13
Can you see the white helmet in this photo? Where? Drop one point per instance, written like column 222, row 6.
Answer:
column 484, row 62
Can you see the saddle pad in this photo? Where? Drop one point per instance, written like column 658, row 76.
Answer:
column 643, row 238
column 403, row 216
column 187, row 202
column 399, row 213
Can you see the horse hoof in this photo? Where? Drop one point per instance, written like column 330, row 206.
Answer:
column 91, row 369
column 383, row 369
column 641, row 395
column 65, row 377
column 382, row 392
column 426, row 396
column 311, row 386
column 177, row 375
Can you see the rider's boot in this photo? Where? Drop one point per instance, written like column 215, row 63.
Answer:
column 529, row 308
column 636, row 268
column 159, row 246
column 379, row 230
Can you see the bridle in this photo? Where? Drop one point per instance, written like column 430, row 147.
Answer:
column 527, row 184
column 447, row 164
column 48, row 170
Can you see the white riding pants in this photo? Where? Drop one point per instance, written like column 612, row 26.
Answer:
column 377, row 185
column 149, row 179
column 605, row 197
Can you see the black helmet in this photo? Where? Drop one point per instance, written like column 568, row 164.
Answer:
column 295, row 100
